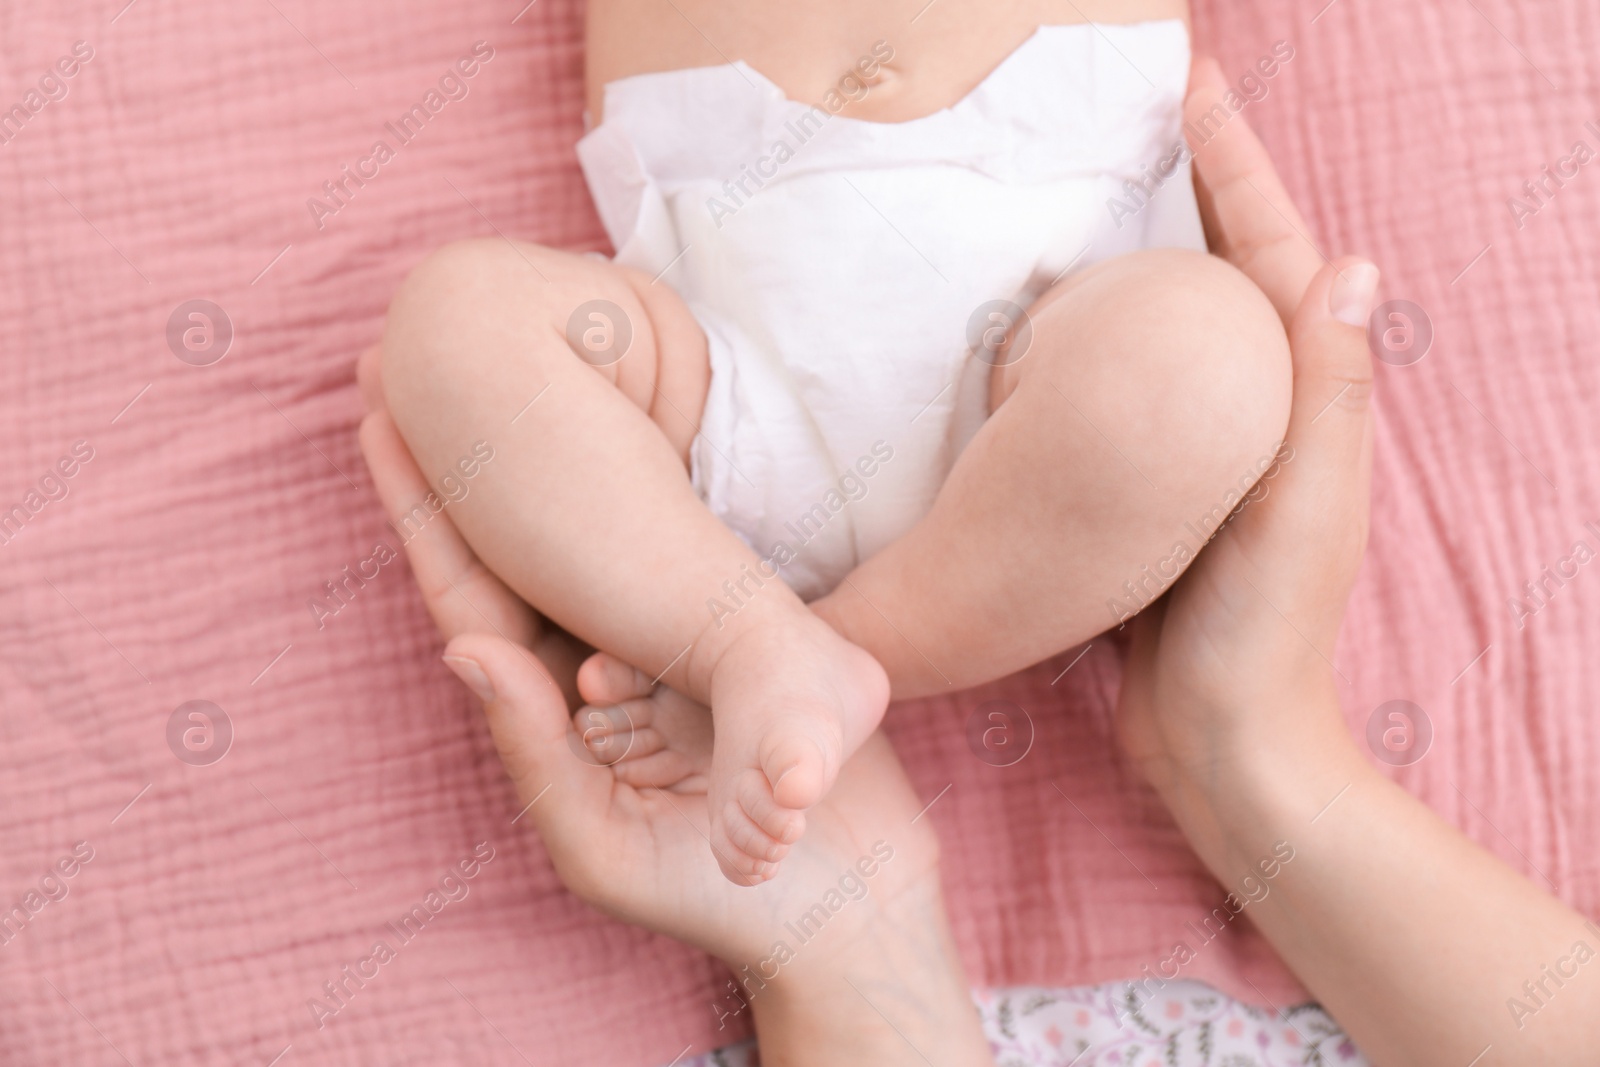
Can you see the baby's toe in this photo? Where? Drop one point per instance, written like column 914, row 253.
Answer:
column 664, row 769
column 781, row 824
column 607, row 734
column 796, row 767
column 635, row 744
column 750, row 839
column 605, row 679
column 738, row 866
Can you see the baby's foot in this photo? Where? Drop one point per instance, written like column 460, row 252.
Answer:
column 651, row 737
column 791, row 701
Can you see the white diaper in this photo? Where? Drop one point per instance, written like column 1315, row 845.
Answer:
column 838, row 287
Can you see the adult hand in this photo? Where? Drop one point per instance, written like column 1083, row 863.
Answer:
column 1245, row 638
column 620, row 805
column 1427, row 949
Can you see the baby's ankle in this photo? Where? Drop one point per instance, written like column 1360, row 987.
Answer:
column 763, row 621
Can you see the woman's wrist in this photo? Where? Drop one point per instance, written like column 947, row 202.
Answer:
column 1407, row 932
column 895, row 994
column 1256, row 789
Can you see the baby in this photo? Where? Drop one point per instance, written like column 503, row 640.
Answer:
column 910, row 370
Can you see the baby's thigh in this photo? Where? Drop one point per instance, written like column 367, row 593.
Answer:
column 480, row 317
column 1170, row 354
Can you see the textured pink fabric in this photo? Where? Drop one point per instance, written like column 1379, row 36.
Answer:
column 180, row 564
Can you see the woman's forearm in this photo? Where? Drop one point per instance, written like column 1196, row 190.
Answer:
column 1426, row 948
column 895, row 997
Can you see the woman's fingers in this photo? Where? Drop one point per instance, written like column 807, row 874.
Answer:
column 1249, row 218
column 1322, row 484
column 533, row 733
column 1332, row 361
column 1330, row 416
column 462, row 595
column 1315, row 521
column 368, row 371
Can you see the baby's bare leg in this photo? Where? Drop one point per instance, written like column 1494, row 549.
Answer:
column 586, row 510
column 1156, row 384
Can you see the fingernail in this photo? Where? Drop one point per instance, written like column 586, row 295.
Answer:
column 472, row 674
column 1351, row 295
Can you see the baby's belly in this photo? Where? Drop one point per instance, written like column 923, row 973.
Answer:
column 809, row 49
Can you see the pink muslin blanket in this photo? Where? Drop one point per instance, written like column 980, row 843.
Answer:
column 186, row 275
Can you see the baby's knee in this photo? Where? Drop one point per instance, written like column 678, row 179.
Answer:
column 434, row 308
column 1208, row 345
column 459, row 311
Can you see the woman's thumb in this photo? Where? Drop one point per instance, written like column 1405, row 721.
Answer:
column 1319, row 510
column 1332, row 362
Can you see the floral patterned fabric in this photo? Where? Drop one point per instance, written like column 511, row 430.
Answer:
column 1183, row 1024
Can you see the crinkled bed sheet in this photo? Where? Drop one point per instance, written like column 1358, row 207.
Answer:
column 182, row 561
